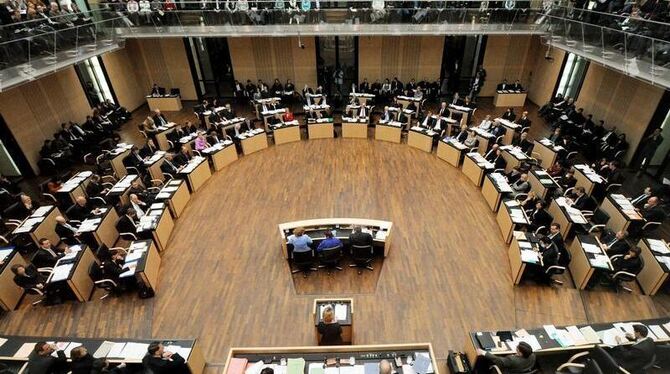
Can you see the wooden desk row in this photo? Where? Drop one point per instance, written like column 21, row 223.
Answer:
column 14, row 352
column 300, row 358
column 381, row 230
column 546, row 340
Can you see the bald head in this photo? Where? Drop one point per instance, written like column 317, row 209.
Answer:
column 385, row 367
column 81, row 200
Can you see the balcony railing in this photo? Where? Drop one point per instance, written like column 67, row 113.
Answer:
column 33, row 47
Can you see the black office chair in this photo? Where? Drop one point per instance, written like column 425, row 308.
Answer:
column 496, row 370
column 330, row 258
column 605, row 362
column 362, row 257
column 129, row 236
column 97, row 273
column 555, row 270
column 597, row 220
column 304, row 262
column 577, row 363
column 621, row 277
column 41, row 293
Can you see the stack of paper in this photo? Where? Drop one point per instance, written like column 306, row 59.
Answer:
column 531, row 257
column 104, row 349
column 600, row 261
column 591, row 248
column 658, row 246
column 25, row 350
column 295, row 366
column 577, row 336
column 61, row 273
column 590, row 335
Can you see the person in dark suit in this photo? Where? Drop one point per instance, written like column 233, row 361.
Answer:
column 556, row 136
column 630, row 262
column 642, row 198
column 443, row 111
column 509, row 115
column 159, row 118
column 523, row 143
column 524, row 121
column 47, row 255
column 615, row 244
column 651, row 211
column 521, row 362
column 499, row 161
column 26, row 207
column 134, row 159
column 557, row 239
column 169, row 166
column 27, row 277
column 329, row 329
column 496, row 129
column 635, row 357
column 183, row 157
column 155, row 90
column 539, row 216
column 581, row 199
column 159, row 361
column 80, row 210
column 66, row 231
column 649, row 147
column 358, row 237
column 550, row 256
column 516, row 86
column 40, row 360
column 149, row 149
column 95, row 187
column 504, row 86
column 128, row 222
column 463, row 134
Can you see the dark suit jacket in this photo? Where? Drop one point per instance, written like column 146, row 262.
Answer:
column 635, row 357
column 46, row 364
column 30, row 280
column 44, row 259
column 22, row 212
column 78, row 212
column 161, row 366
column 360, row 238
column 509, row 116
column 581, row 202
column 83, row 365
column 499, row 162
column 157, row 119
column 540, row 218
column 524, row 122
column 170, row 169
column 64, row 232
column 125, row 224
column 512, row 364
column 654, row 214
column 94, row 189
column 631, row 265
column 462, row 136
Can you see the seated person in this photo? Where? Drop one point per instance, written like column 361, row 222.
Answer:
column 462, row 134
column 516, row 86
column 524, row 121
column 486, row 123
column 42, row 361
column 499, row 161
column 523, row 143
column 581, row 199
column 471, row 141
column 128, row 222
column 84, row 363
column 504, row 86
column 26, row 207
column 539, row 216
column 522, row 361
column 528, row 204
column 651, row 211
column 615, row 244
column 568, row 180
column 80, row 210
column 169, row 166
column 496, row 129
column 183, row 157
column 95, row 187
column 635, row 357
column 138, row 205
column 329, row 329
column 557, row 238
column 522, row 185
column 301, row 242
column 201, row 142
column 640, row 199
column 509, row 114
column 159, row 361
column 630, row 262
column 387, row 116
column 28, row 277
column 149, row 149
column 66, row 231
column 329, row 242
column 360, row 238
column 491, row 154
column 47, row 255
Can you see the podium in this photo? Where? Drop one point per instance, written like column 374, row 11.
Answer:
column 345, row 307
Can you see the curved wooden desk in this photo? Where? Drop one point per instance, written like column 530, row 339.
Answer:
column 381, row 230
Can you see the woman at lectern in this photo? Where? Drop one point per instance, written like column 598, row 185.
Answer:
column 330, row 330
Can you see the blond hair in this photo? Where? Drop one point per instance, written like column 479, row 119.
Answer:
column 328, row 315
column 298, row 231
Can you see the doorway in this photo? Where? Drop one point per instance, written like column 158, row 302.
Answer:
column 460, row 57
column 337, row 65
column 94, row 80
column 211, row 66
column 572, row 76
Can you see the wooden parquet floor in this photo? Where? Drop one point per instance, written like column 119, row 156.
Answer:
column 224, row 281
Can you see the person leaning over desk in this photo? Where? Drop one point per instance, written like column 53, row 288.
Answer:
column 635, row 357
column 301, row 242
column 522, row 361
column 160, row 361
column 40, row 360
column 329, row 328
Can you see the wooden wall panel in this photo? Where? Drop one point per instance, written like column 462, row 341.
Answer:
column 162, row 61
column 34, row 111
column 506, row 57
column 406, row 57
column 620, row 101
column 270, row 58
column 129, row 90
column 543, row 73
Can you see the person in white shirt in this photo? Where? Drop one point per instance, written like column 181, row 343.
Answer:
column 139, row 205
column 486, row 123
